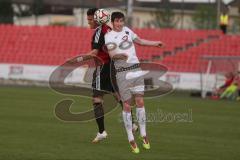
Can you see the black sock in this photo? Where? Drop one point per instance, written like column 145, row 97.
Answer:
column 121, row 103
column 99, row 115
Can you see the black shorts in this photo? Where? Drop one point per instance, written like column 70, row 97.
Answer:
column 104, row 80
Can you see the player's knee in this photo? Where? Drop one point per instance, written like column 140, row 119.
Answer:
column 126, row 107
column 139, row 101
column 97, row 100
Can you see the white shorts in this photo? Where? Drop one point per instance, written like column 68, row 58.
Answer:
column 130, row 83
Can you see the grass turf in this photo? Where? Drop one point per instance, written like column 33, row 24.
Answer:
column 29, row 129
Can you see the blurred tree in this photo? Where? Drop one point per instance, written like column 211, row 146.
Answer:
column 22, row 10
column 205, row 17
column 6, row 11
column 163, row 19
column 38, row 7
column 235, row 27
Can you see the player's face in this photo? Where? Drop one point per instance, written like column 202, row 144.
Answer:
column 92, row 24
column 118, row 24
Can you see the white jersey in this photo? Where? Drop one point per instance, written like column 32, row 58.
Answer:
column 122, row 43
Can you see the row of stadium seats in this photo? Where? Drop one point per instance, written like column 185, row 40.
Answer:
column 54, row 41
column 53, row 45
column 192, row 61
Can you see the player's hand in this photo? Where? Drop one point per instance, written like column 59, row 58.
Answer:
column 159, row 44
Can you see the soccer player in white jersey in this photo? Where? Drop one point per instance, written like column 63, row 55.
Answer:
column 120, row 44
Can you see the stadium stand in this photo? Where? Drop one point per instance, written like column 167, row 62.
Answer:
column 53, row 45
column 42, row 45
column 191, row 59
column 174, row 40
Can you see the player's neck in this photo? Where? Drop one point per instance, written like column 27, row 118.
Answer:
column 117, row 30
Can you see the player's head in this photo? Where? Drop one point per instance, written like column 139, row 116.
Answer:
column 117, row 19
column 90, row 18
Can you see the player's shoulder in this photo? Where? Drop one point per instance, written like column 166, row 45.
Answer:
column 125, row 28
column 105, row 28
column 98, row 30
column 109, row 33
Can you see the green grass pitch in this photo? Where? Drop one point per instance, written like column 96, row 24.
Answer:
column 29, row 129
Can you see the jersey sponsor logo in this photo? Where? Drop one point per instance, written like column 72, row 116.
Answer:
column 125, row 38
column 15, row 70
column 125, row 45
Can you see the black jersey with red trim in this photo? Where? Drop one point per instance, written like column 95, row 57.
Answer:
column 98, row 42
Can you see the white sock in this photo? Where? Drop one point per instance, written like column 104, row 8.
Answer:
column 127, row 119
column 141, row 118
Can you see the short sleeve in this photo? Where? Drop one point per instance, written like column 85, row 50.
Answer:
column 105, row 29
column 98, row 39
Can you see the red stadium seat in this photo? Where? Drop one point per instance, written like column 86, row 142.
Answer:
column 52, row 45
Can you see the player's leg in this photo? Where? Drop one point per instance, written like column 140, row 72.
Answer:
column 99, row 115
column 98, row 105
column 134, row 125
column 127, row 119
column 141, row 117
column 99, row 112
column 138, row 92
column 126, row 98
column 116, row 94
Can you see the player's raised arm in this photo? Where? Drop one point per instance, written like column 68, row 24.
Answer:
column 90, row 54
column 145, row 42
column 93, row 52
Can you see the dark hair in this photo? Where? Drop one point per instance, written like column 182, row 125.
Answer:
column 91, row 11
column 117, row 15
